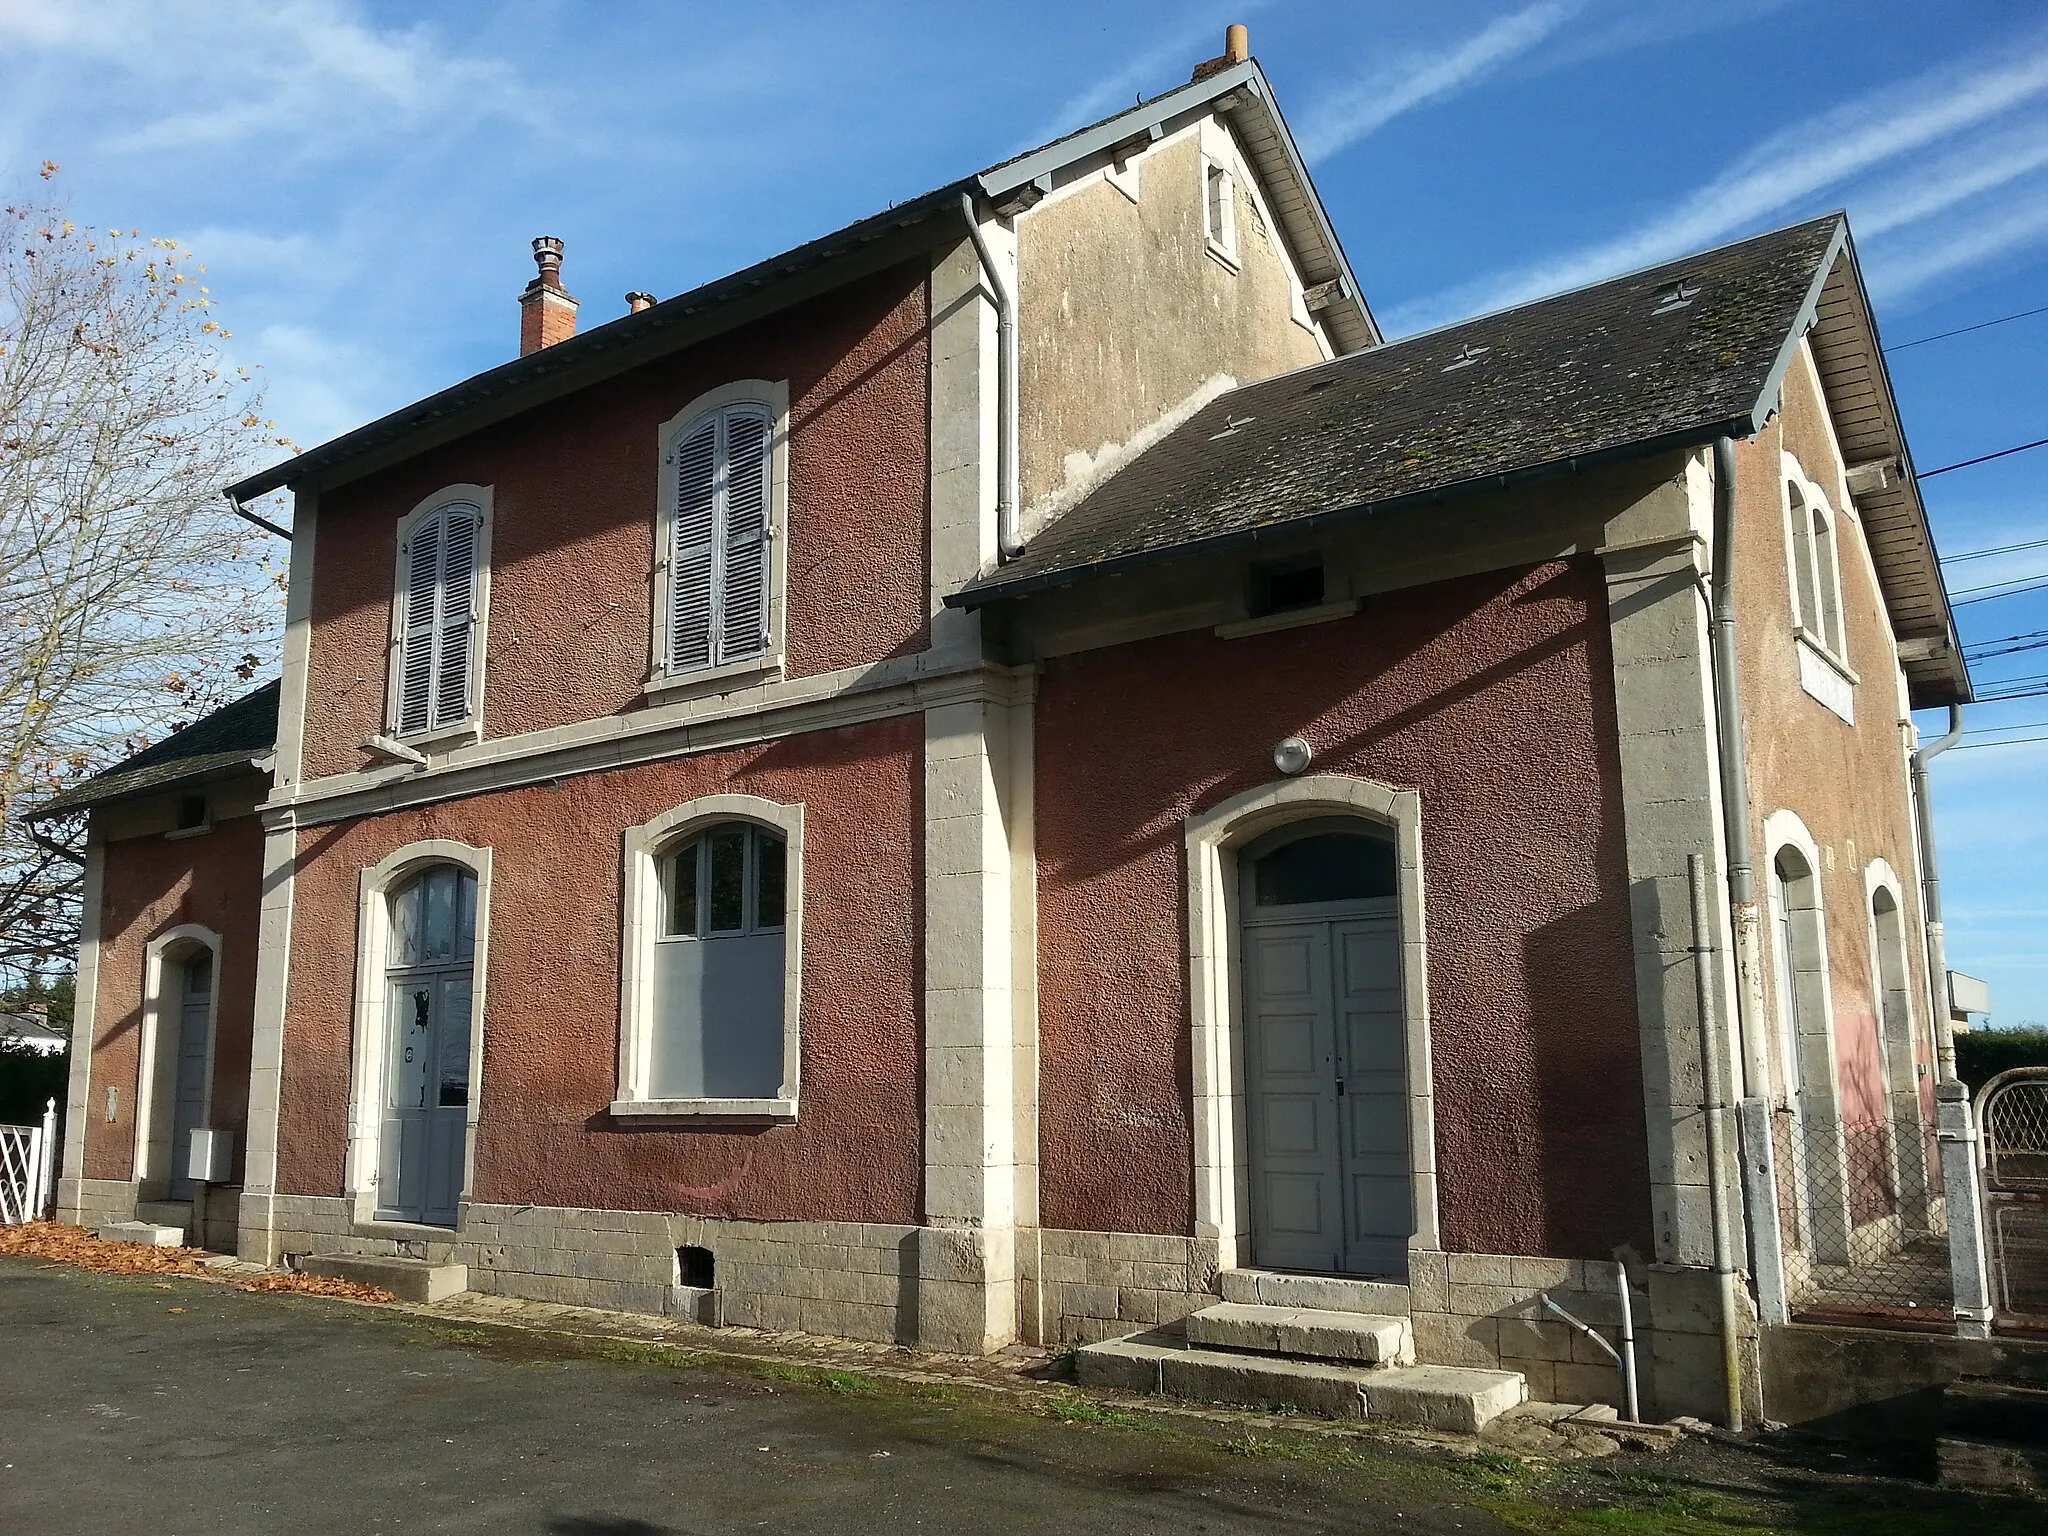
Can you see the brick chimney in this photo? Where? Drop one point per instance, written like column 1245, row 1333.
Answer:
column 547, row 313
column 1237, row 47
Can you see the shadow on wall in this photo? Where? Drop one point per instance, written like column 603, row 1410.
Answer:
column 605, row 1525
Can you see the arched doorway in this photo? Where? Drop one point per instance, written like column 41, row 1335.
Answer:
column 177, row 1060
column 191, row 998
column 1326, row 1073
column 428, row 985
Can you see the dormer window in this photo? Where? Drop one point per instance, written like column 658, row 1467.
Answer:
column 720, row 527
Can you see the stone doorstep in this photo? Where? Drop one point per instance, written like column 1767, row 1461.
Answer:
column 1439, row 1397
column 147, row 1233
column 1306, row 1331
column 164, row 1213
column 1328, row 1293
column 407, row 1279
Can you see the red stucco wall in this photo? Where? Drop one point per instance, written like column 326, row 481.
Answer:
column 550, row 1064
column 574, row 487
column 1493, row 696
column 149, row 885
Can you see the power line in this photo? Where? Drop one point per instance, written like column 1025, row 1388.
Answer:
column 2030, row 640
column 1929, row 474
column 1979, row 746
column 1985, row 554
column 1982, row 325
column 2031, row 585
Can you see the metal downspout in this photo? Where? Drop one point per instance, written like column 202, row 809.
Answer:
column 1744, row 921
column 1930, row 899
column 1008, row 545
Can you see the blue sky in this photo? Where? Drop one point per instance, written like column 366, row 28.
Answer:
column 362, row 180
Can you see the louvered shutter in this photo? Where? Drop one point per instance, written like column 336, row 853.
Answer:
column 691, row 539
column 460, row 526
column 422, row 557
column 743, row 577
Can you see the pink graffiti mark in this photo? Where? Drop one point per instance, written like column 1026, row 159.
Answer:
column 725, row 1188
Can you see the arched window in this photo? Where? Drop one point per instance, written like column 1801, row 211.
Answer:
column 1815, row 1144
column 437, row 664
column 716, row 1027
column 1324, row 867
column 719, row 526
column 1816, row 570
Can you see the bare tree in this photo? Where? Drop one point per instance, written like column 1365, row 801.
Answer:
column 131, row 598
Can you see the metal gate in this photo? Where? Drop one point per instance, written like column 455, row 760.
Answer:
column 28, row 1168
column 2012, row 1114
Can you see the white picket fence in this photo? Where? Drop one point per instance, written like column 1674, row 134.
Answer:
column 28, row 1168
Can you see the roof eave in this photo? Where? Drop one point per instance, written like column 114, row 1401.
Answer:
column 218, row 768
column 981, row 596
column 613, row 348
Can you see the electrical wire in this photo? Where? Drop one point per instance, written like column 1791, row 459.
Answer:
column 1982, row 325
column 1985, row 554
column 2003, row 453
column 2031, row 584
column 1979, row 746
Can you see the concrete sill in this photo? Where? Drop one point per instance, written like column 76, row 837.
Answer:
column 1222, row 256
column 1287, row 618
column 666, row 686
column 780, row 1110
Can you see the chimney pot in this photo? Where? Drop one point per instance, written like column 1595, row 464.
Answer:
column 635, row 302
column 547, row 311
column 1237, row 43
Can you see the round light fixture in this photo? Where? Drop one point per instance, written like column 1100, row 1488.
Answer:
column 1292, row 755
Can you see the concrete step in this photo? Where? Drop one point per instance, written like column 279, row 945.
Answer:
column 1431, row 1396
column 164, row 1213
column 1364, row 1337
column 407, row 1279
column 1329, row 1293
column 147, row 1233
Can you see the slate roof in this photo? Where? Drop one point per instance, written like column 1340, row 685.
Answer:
column 215, row 746
column 1602, row 372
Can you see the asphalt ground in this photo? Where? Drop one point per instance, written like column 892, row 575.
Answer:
column 183, row 1406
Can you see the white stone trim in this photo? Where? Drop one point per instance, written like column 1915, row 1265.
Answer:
column 1826, row 576
column 640, row 908
column 85, row 996
column 470, row 727
column 156, row 1155
column 1222, row 1172
column 373, row 943
column 769, row 712
column 774, row 394
column 288, row 756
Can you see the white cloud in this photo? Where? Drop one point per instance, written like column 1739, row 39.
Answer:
column 1898, row 273
column 312, row 72
column 1383, row 94
column 1778, row 175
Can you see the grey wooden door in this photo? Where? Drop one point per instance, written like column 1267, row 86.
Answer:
column 1325, row 1056
column 425, row 1121
column 195, row 1054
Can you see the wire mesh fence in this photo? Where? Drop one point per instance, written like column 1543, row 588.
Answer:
column 2015, row 1132
column 1862, row 1220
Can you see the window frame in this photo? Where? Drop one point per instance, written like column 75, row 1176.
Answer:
column 470, row 727
column 1222, row 244
column 643, row 912
column 662, row 676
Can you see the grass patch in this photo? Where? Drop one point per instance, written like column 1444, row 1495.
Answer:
column 631, row 1352
column 845, row 1383
column 1076, row 1408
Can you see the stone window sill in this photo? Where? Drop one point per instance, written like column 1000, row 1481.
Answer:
column 705, row 1109
column 664, row 686
column 1286, row 618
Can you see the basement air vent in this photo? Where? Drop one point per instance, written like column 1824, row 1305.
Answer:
column 1467, row 356
column 1675, row 296
column 696, row 1267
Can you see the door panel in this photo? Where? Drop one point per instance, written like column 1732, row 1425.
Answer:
column 1373, row 1060
column 1298, row 1217
column 426, row 1097
column 189, row 1112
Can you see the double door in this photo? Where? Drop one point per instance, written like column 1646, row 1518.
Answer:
column 426, row 1095
column 1325, row 1065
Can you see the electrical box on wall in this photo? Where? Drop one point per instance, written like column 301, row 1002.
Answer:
column 210, row 1156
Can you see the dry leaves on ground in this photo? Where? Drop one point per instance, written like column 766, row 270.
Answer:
column 74, row 1245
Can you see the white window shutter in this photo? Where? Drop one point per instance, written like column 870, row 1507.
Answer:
column 421, row 557
column 460, row 526
column 743, row 584
column 691, row 539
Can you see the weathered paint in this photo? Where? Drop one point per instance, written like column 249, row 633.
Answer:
column 1802, row 757
column 550, row 1059
column 1123, row 313
column 575, row 488
column 1491, row 695
column 152, row 884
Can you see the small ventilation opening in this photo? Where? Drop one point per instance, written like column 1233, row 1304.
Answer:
column 696, row 1268
column 191, row 812
column 1277, row 588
